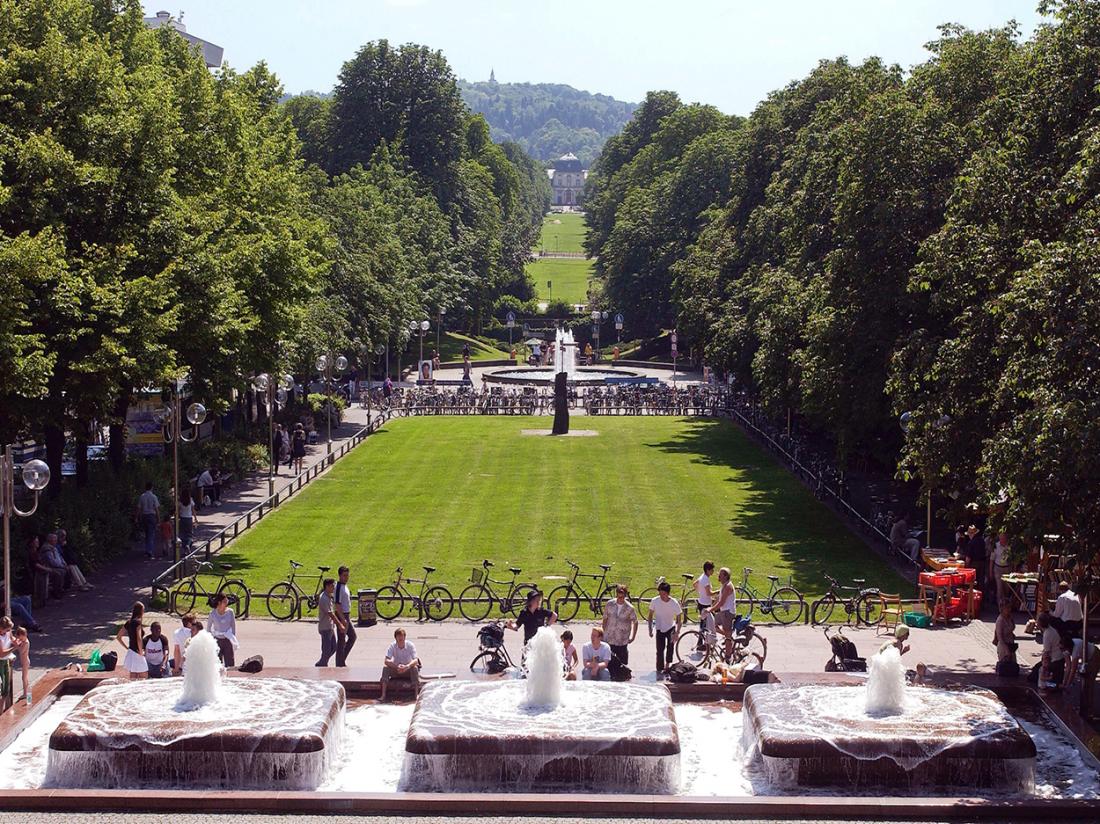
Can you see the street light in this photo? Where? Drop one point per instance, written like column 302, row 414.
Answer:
column 168, row 416
column 420, row 327
column 597, row 318
column 439, row 323
column 327, row 365
column 276, row 394
column 36, row 477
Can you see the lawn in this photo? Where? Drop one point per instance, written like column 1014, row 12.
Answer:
column 563, row 232
column 652, row 496
column 570, row 277
column 450, row 345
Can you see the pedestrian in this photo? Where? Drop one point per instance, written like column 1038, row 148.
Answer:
column 569, row 657
column 327, row 621
column 704, row 595
column 1067, row 615
column 284, row 448
column 187, row 520
column 71, row 556
column 620, row 627
column 345, row 633
column 725, row 610
column 131, row 631
column 401, row 662
column 15, row 646
column 180, row 638
column 148, row 514
column 466, row 368
column 298, row 447
column 164, row 533
column 156, row 651
column 999, row 565
column 666, row 612
column 1004, row 638
column 532, row 617
column 222, row 624
column 205, row 483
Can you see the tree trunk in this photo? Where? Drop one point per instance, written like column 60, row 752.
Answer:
column 55, row 453
column 116, row 433
column 81, row 438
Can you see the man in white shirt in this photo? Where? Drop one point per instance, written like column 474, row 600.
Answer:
column 148, row 507
column 596, row 657
column 1052, row 666
column 704, row 594
column 401, row 662
column 666, row 612
column 1067, row 615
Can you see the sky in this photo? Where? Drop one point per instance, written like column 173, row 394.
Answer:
column 729, row 53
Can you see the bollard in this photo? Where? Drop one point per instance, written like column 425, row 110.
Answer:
column 368, row 615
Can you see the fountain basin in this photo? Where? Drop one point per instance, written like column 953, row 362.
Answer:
column 269, row 733
column 603, row 737
column 820, row 736
column 544, row 376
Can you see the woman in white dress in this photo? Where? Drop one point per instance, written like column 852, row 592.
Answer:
column 133, row 631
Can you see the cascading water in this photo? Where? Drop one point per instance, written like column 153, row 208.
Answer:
column 543, row 666
column 886, row 689
column 202, row 679
column 565, row 353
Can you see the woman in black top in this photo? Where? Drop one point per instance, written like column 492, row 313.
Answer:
column 532, row 617
column 135, row 652
column 298, row 446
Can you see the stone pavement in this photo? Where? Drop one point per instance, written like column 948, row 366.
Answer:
column 81, row 621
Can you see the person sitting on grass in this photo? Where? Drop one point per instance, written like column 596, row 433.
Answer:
column 401, row 662
column 596, row 658
column 569, row 656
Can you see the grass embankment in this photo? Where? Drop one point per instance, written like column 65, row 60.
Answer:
column 652, row 496
column 570, row 277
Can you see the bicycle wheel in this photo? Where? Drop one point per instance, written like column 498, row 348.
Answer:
column 823, row 610
column 239, row 597
column 487, row 663
column 745, row 602
column 517, row 598
column 565, row 602
column 438, row 603
column 282, row 601
column 692, row 647
column 475, row 602
column 869, row 609
column 642, row 604
column 389, row 603
column 787, row 605
column 753, row 647
column 184, row 597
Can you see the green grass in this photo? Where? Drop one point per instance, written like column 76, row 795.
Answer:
column 450, row 345
column 570, row 277
column 652, row 496
column 563, row 233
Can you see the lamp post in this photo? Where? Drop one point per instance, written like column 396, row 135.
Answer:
column 325, row 365
column 170, row 417
column 419, row 327
column 276, row 394
column 598, row 317
column 36, row 476
column 438, row 325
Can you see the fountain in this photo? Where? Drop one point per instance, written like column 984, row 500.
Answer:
column 265, row 733
column 565, row 353
column 542, row 733
column 886, row 734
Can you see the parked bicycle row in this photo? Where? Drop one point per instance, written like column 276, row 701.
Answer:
column 579, row 591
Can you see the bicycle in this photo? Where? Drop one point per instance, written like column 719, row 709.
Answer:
column 688, row 596
column 284, row 600
column 779, row 603
column 478, row 598
column 705, row 649
column 436, row 603
column 492, row 657
column 566, row 599
column 185, row 595
column 865, row 604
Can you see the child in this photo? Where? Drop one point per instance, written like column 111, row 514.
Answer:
column 156, row 651
column 15, row 647
column 179, row 642
column 166, row 536
column 569, row 656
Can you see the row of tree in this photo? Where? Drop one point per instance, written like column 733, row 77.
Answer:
column 157, row 219
column 870, row 243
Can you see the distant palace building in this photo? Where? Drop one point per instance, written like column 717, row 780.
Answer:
column 567, row 180
column 210, row 53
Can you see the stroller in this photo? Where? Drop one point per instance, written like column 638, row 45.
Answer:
column 845, row 657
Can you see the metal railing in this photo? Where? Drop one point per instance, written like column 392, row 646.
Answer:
column 206, row 549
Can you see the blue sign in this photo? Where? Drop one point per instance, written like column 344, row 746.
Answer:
column 618, row 318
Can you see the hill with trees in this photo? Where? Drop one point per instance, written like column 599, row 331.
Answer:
column 548, row 119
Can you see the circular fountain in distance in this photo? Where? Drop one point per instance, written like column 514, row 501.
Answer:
column 886, row 734
column 262, row 733
column 542, row 733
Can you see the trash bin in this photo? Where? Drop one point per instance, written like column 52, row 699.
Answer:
column 368, row 614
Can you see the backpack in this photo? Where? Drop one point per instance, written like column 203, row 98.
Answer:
column 252, row 665
column 682, row 672
column 110, row 661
